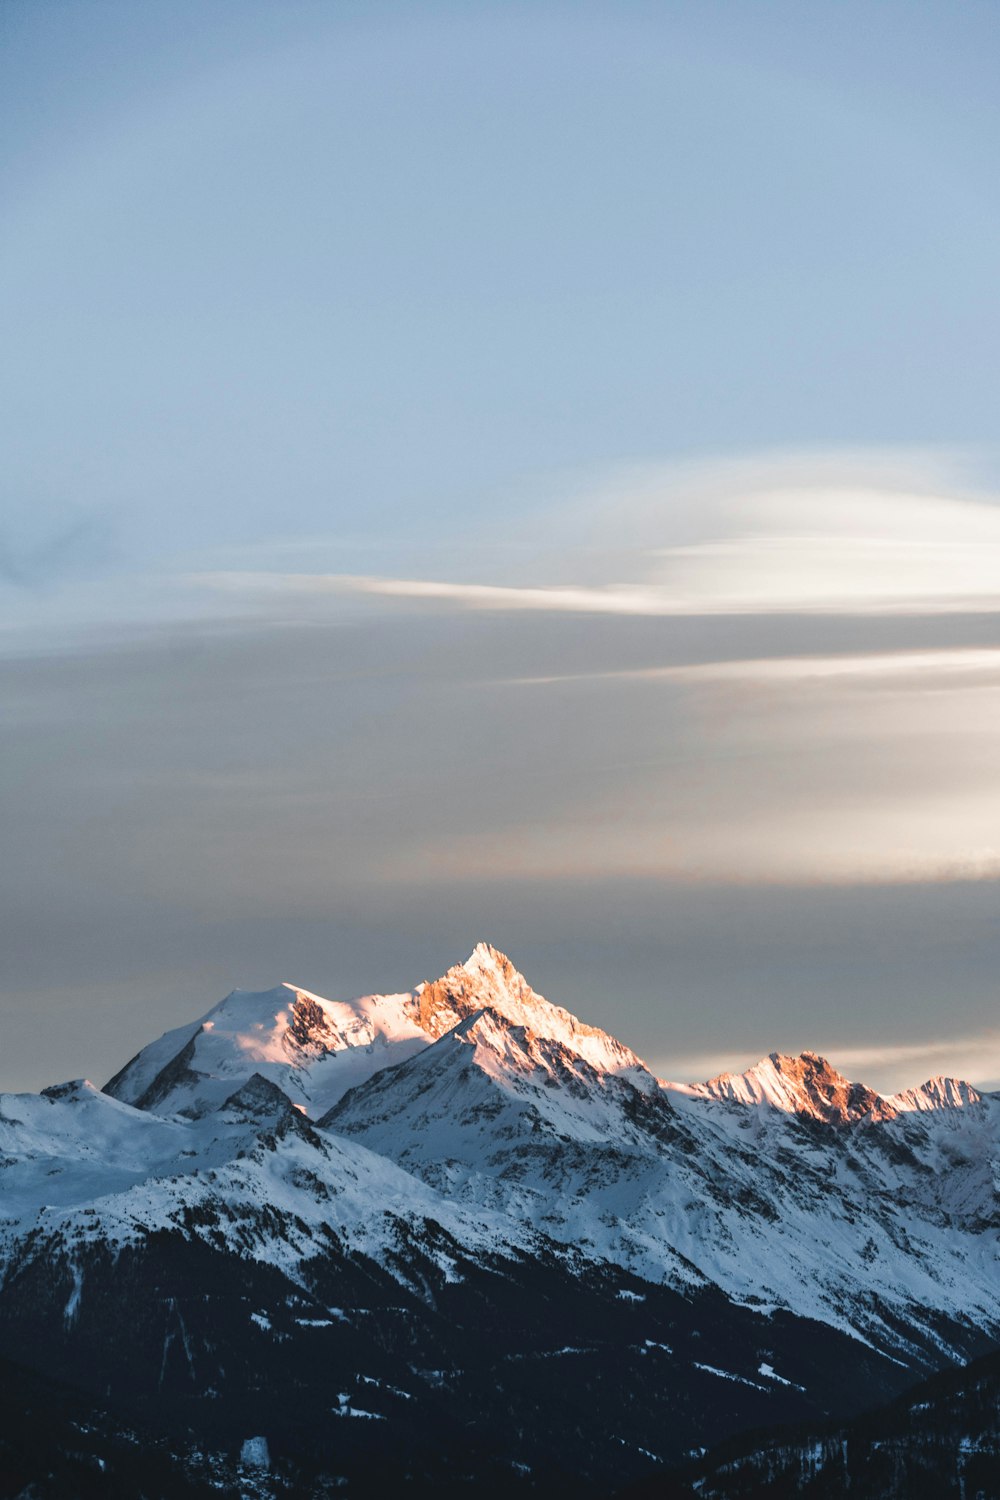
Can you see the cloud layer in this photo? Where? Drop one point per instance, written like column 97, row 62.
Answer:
column 348, row 786
column 857, row 766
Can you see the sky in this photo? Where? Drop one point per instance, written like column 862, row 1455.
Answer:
column 522, row 473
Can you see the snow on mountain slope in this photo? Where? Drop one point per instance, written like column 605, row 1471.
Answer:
column 73, row 1144
column 313, row 1049
column 805, row 1085
column 496, row 1115
column 487, row 1082
column 809, row 1085
column 252, row 1177
column 936, row 1093
column 789, row 1187
column 317, row 1049
column 883, row 1226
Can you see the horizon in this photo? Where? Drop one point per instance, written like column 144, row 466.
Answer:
column 532, row 471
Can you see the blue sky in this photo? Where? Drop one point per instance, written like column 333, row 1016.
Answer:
column 358, row 272
column 674, row 327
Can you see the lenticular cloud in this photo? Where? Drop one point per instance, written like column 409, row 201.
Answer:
column 816, row 537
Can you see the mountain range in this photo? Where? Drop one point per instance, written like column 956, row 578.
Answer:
column 457, row 1238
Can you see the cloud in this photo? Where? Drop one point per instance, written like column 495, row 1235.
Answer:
column 353, row 804
column 628, row 748
column 845, row 550
column 849, row 769
column 863, row 766
column 569, row 600
column 945, row 667
column 780, row 575
column 724, row 540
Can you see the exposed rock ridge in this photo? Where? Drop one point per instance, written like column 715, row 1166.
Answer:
column 489, row 981
column 805, row 1085
column 308, row 1027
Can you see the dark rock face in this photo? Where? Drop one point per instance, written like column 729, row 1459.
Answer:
column 177, row 1071
column 259, row 1100
column 308, row 1025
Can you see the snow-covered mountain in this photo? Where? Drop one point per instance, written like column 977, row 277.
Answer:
column 366, row 1163
column 313, row 1049
column 80, row 1168
column 316, row 1049
column 810, row 1086
column 787, row 1186
column 806, row 1085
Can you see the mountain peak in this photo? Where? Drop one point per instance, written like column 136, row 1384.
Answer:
column 489, row 981
column 804, row 1085
column 74, row 1089
column 312, row 1049
column 484, row 955
column 259, row 1099
column 936, row 1093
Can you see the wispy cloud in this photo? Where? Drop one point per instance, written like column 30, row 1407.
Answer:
column 773, row 542
column 865, row 768
column 622, row 600
column 946, row 666
column 704, row 594
column 832, row 849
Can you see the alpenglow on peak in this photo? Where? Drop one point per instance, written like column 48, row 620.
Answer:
column 316, row 1050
